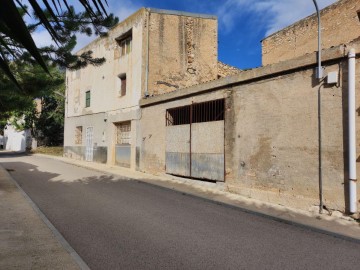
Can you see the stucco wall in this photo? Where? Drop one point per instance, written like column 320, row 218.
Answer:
column 103, row 81
column 182, row 51
column 339, row 25
column 177, row 42
column 276, row 140
column 273, row 135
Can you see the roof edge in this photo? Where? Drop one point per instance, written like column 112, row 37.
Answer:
column 257, row 74
column 182, row 13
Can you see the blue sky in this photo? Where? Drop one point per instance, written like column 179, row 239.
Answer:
column 242, row 23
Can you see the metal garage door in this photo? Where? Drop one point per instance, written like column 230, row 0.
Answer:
column 195, row 140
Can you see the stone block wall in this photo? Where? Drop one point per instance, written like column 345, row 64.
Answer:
column 182, row 51
column 340, row 24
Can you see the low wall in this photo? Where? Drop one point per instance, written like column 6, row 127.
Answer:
column 78, row 152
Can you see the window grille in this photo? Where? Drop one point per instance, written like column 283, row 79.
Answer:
column 123, row 133
column 196, row 113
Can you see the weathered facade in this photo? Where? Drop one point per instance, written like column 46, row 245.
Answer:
column 273, row 133
column 340, row 24
column 151, row 52
column 282, row 132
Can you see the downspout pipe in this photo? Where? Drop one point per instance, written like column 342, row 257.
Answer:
column 147, row 54
column 319, row 69
column 352, row 132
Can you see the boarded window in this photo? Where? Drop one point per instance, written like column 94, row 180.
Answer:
column 87, row 99
column 123, row 133
column 122, row 78
column 125, row 43
column 78, row 135
column 196, row 113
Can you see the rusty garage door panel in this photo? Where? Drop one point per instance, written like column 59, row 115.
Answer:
column 178, row 163
column 207, row 150
column 122, row 155
column 178, row 150
column 195, row 140
column 207, row 166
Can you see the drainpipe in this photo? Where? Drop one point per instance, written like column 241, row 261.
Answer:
column 352, row 133
column 319, row 69
column 319, row 75
column 147, row 55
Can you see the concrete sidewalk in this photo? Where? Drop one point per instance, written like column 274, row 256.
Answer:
column 27, row 240
column 335, row 224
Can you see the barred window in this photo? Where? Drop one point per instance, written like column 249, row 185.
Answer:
column 123, row 133
column 196, row 113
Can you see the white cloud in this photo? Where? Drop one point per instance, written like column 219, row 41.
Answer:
column 275, row 14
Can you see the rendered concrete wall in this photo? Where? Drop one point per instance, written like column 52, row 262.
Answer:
column 178, row 44
column 273, row 136
column 340, row 25
column 182, row 51
column 276, row 140
column 103, row 81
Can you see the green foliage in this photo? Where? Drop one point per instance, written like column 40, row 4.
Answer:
column 16, row 42
column 48, row 126
column 22, row 64
column 48, row 89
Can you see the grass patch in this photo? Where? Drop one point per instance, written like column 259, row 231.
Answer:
column 49, row 150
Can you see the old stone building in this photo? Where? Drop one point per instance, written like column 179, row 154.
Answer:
column 340, row 24
column 274, row 133
column 152, row 52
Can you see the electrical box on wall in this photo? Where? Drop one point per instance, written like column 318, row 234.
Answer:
column 332, row 77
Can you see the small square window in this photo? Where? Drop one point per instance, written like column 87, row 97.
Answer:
column 87, row 99
column 122, row 78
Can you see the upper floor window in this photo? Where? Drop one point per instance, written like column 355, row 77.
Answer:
column 125, row 43
column 87, row 99
column 122, row 89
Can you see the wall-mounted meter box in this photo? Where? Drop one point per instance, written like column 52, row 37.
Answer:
column 332, row 77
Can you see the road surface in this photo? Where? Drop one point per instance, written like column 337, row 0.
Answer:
column 115, row 223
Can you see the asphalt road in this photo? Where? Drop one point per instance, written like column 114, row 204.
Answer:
column 120, row 224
